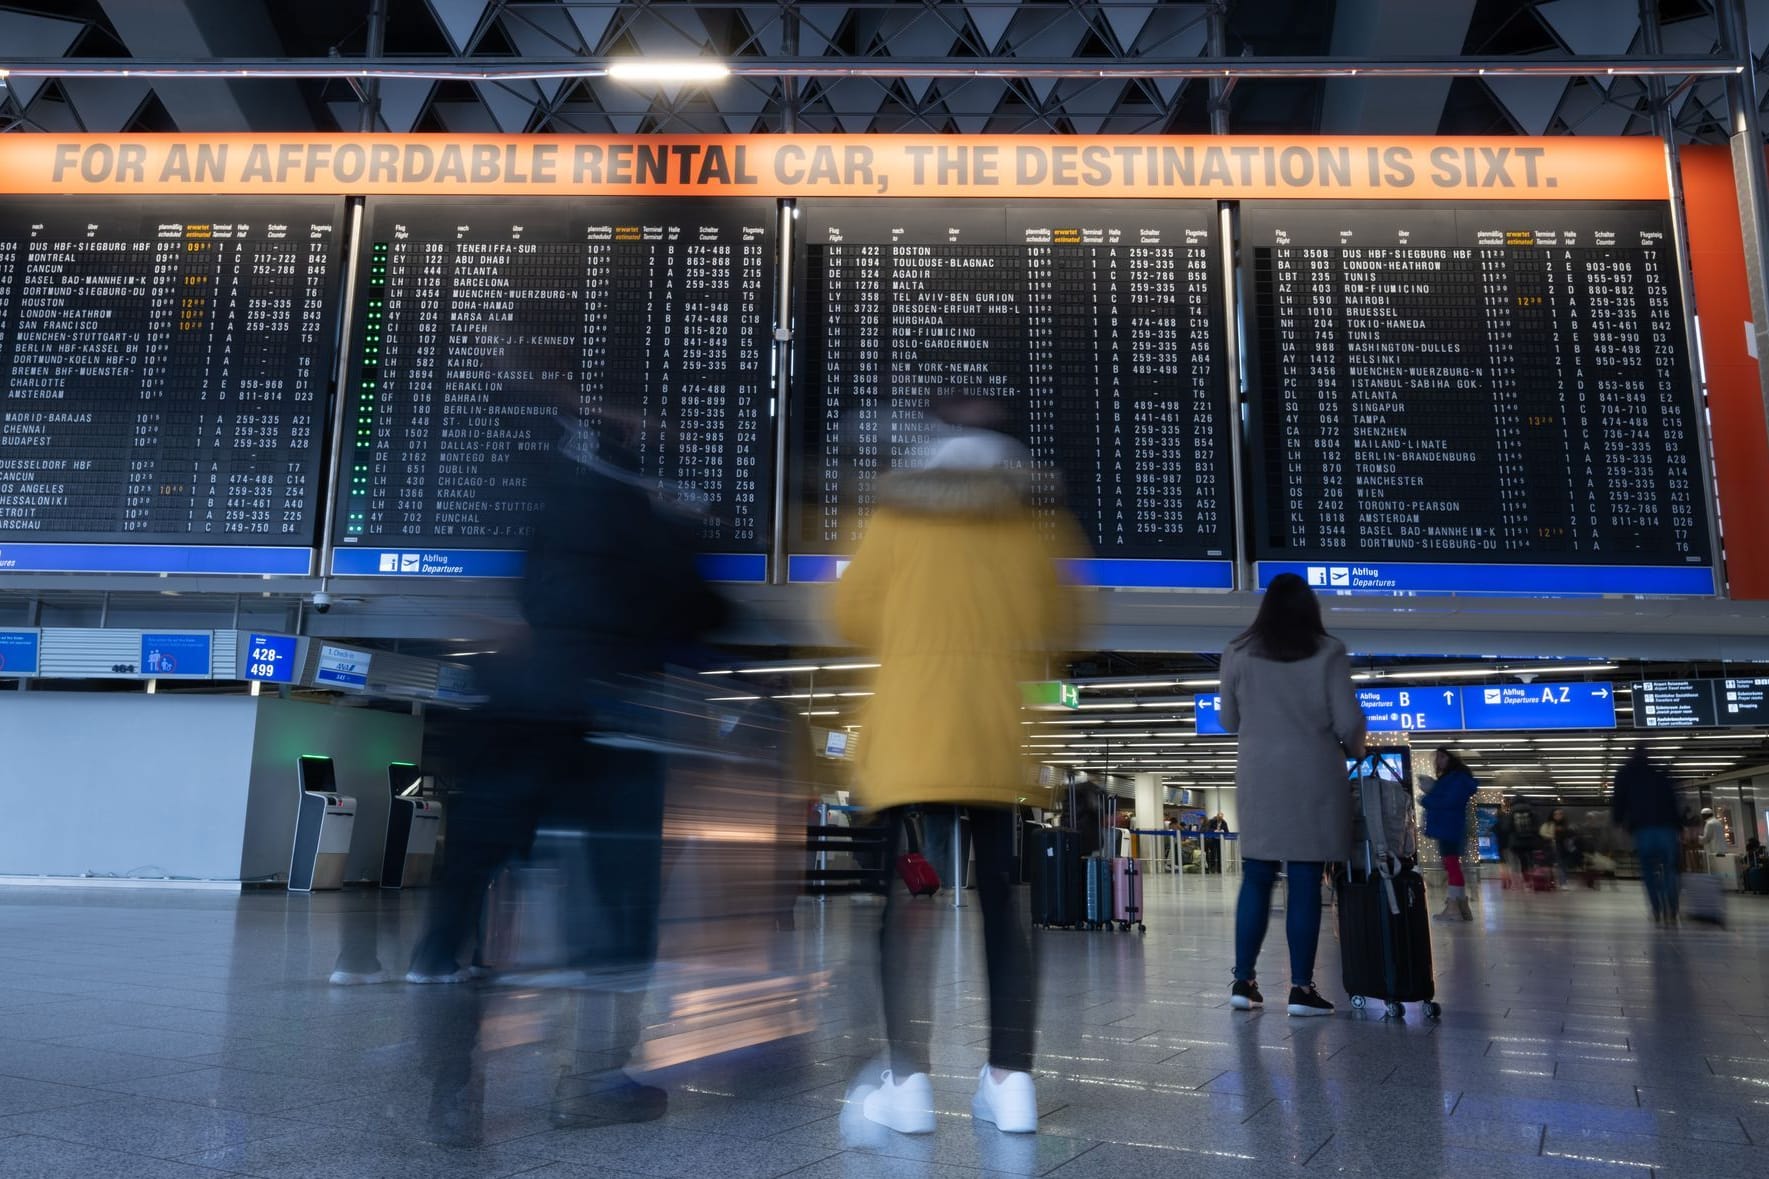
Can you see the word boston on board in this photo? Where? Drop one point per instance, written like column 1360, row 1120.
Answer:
column 1386, row 168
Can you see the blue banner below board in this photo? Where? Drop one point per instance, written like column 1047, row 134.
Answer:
column 19, row 652
column 175, row 655
column 1104, row 572
column 506, row 563
column 243, row 560
column 1535, row 581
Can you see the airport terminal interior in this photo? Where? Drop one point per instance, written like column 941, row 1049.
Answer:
column 761, row 588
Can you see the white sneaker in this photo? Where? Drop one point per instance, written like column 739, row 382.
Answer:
column 1011, row 1105
column 419, row 977
column 359, row 978
column 906, row 1106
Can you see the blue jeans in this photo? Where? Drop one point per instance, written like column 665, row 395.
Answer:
column 1657, row 847
column 1302, row 916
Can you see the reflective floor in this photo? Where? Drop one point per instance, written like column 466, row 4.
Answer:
column 166, row 1034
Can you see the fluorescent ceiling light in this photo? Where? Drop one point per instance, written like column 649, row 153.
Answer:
column 643, row 69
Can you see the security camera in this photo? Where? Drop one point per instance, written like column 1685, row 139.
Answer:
column 322, row 602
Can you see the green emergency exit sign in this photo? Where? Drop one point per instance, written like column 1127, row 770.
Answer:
column 1051, row 694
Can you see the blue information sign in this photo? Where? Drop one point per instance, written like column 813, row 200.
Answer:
column 1546, row 581
column 18, row 652
column 1427, row 708
column 1207, row 714
column 270, row 659
column 175, row 654
column 1421, row 708
column 1539, row 706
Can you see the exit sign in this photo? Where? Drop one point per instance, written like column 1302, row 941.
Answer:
column 1051, row 694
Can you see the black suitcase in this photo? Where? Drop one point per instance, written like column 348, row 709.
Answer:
column 1386, row 955
column 1384, row 922
column 1056, row 877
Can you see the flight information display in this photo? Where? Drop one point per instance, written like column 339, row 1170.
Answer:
column 1477, row 398
column 1098, row 326
column 480, row 322
column 164, row 375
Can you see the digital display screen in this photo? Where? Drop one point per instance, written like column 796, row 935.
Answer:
column 1098, row 326
column 164, row 375
column 480, row 322
column 1469, row 386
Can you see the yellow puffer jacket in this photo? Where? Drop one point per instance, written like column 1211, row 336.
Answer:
column 956, row 591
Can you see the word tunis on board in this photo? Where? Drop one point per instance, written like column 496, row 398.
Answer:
column 1563, row 168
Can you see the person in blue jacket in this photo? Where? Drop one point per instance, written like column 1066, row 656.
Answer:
column 1446, row 820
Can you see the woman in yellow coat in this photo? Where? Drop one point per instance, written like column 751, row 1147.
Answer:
column 957, row 591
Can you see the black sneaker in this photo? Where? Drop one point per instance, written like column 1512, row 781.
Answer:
column 1308, row 1001
column 1245, row 996
column 617, row 1099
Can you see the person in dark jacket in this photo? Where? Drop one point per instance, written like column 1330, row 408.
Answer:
column 1646, row 807
column 1446, row 820
column 610, row 586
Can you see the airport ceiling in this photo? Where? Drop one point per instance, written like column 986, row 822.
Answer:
column 992, row 35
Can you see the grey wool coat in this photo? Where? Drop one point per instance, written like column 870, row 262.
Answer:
column 1294, row 722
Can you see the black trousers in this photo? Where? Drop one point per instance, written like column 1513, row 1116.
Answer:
column 907, row 944
column 1213, row 856
column 517, row 776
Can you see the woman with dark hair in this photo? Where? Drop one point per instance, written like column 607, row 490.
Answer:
column 1287, row 694
column 1446, row 820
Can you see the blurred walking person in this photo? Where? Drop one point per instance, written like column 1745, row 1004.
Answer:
column 609, row 586
column 956, row 590
column 1645, row 806
column 1287, row 695
column 1446, row 820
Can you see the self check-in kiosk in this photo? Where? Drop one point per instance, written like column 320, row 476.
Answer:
column 323, row 826
column 413, row 824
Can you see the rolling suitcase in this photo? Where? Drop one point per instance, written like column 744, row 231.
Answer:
column 1384, row 922
column 1097, row 913
column 1056, row 877
column 917, row 874
column 1702, row 898
column 1127, row 894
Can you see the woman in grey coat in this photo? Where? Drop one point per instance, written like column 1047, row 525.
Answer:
column 1287, row 694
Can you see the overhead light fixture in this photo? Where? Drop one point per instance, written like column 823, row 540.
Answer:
column 640, row 69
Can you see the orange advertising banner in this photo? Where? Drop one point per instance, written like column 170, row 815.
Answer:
column 945, row 166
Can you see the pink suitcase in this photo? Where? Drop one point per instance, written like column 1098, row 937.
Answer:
column 1127, row 894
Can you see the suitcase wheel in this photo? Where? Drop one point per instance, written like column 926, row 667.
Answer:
column 1433, row 1011
column 1141, row 928
column 1396, row 1011
column 1357, row 1002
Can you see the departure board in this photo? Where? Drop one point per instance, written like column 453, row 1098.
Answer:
column 479, row 322
column 164, row 373
column 1473, row 398
column 1098, row 325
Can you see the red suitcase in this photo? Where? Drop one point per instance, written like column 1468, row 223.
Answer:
column 917, row 874
column 1127, row 894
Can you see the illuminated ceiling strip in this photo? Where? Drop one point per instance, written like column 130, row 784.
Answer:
column 531, row 69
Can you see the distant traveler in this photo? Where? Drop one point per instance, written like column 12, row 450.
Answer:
column 1555, row 835
column 1502, row 839
column 1646, row 807
column 609, row 586
column 956, row 590
column 1446, row 820
column 1213, row 847
column 1525, row 835
column 1713, row 836
column 1287, row 695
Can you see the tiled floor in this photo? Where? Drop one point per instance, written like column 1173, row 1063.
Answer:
column 181, row 1035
